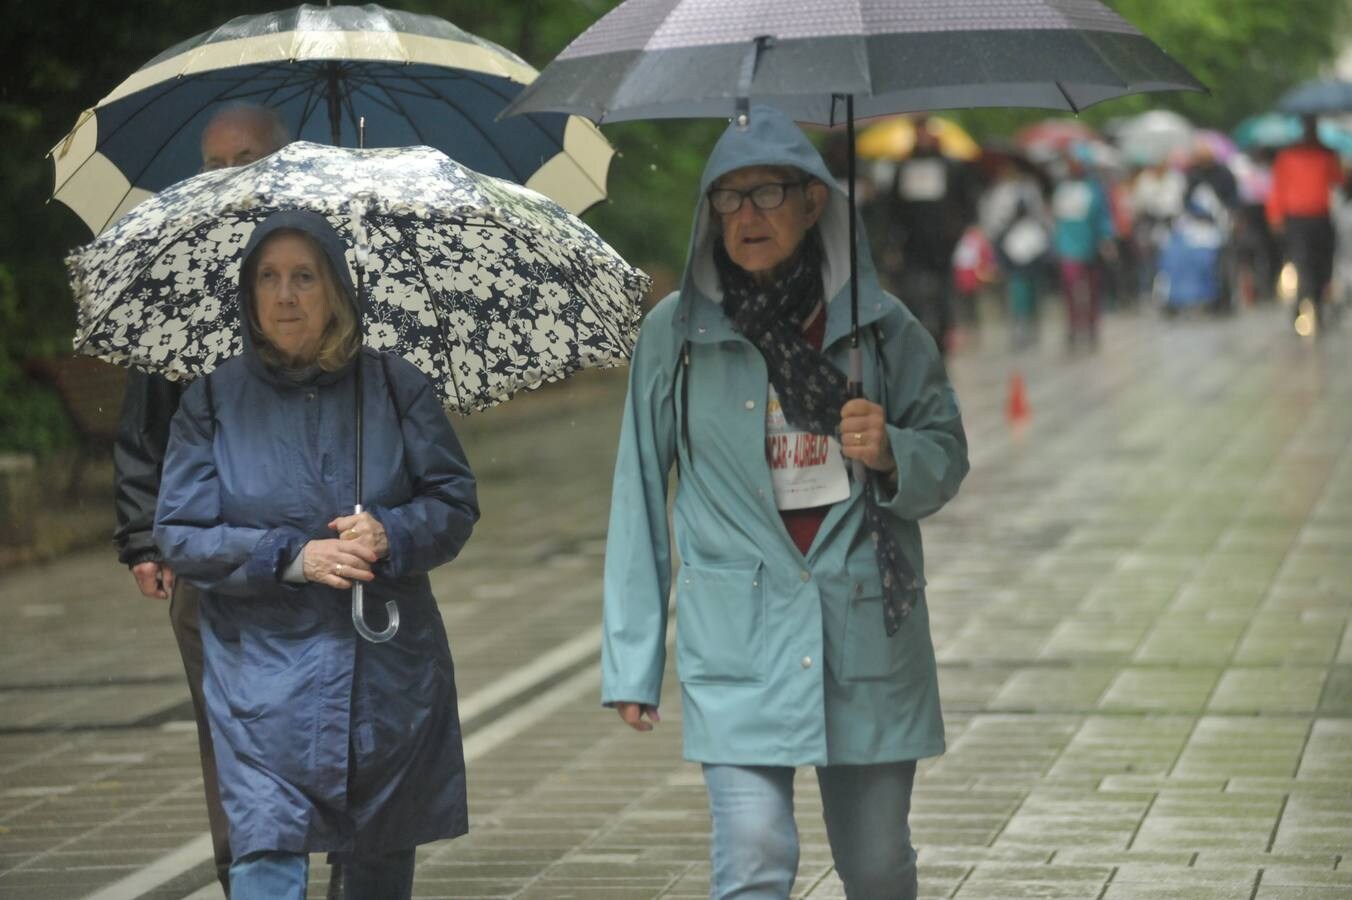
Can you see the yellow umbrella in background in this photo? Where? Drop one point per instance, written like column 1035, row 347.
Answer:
column 894, row 138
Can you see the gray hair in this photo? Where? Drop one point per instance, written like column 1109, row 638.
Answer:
column 278, row 134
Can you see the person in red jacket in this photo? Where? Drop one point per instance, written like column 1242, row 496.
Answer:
column 1304, row 177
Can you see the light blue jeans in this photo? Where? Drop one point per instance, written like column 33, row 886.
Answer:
column 754, row 848
column 283, row 876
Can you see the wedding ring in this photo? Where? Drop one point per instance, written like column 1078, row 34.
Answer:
column 858, row 437
column 338, row 569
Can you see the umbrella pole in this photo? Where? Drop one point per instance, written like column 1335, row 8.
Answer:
column 335, row 106
column 856, row 377
column 358, row 608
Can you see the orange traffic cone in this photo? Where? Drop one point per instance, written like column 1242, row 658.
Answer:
column 1017, row 411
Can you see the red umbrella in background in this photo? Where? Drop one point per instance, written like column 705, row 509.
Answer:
column 1053, row 137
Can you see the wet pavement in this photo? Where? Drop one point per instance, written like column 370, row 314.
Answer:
column 1140, row 604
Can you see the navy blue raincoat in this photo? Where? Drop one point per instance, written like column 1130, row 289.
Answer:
column 324, row 742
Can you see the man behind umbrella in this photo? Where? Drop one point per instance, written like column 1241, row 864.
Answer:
column 237, row 135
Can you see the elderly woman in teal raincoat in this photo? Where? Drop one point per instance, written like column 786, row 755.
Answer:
column 803, row 635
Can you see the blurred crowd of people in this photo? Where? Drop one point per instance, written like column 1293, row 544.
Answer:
column 1152, row 214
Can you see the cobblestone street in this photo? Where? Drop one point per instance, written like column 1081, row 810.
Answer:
column 1140, row 603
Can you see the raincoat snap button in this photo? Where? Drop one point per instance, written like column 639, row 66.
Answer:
column 805, row 576
column 807, row 662
column 310, row 396
column 751, row 404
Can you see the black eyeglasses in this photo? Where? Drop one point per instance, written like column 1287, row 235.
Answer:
column 770, row 195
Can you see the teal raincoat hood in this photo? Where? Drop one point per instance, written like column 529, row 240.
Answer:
column 772, row 139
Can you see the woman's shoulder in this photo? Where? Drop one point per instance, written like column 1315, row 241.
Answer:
column 658, row 334
column 399, row 369
column 663, row 314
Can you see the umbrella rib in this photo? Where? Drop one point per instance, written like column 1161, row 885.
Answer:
column 391, row 103
column 131, row 182
column 1069, row 102
column 1084, row 38
column 488, row 139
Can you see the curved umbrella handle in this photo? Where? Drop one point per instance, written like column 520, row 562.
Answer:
column 359, row 623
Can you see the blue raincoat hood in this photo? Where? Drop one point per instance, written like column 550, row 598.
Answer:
column 335, row 251
column 772, row 139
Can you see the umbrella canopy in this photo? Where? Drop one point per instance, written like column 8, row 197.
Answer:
column 1222, row 148
column 1314, row 98
column 415, row 79
column 1152, row 136
column 1273, row 129
column 691, row 58
column 487, row 287
column 894, row 139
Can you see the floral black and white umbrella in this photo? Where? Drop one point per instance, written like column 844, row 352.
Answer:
column 488, row 287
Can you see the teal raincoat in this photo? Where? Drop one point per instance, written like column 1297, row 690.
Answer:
column 783, row 658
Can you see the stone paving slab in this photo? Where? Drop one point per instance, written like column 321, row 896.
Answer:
column 1140, row 606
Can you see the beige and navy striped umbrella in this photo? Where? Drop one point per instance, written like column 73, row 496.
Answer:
column 415, row 79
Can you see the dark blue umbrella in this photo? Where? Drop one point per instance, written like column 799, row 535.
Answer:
column 1315, row 98
column 415, row 79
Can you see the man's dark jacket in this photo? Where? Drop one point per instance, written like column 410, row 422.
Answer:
column 142, row 435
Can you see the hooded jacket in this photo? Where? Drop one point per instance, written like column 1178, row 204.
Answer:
column 782, row 657
column 323, row 741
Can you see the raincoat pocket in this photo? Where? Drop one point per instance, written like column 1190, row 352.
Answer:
column 869, row 653
column 720, row 630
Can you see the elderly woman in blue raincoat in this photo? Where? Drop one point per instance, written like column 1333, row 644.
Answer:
column 324, row 742
column 803, row 637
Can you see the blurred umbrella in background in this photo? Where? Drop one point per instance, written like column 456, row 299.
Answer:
column 1271, row 129
column 1330, row 95
column 1274, row 129
column 415, row 79
column 894, row 139
column 1222, row 148
column 1051, row 138
column 1152, row 136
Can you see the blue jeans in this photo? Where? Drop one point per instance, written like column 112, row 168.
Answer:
column 754, row 849
column 283, row 876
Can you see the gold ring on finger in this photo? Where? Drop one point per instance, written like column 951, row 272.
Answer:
column 338, row 569
column 858, row 437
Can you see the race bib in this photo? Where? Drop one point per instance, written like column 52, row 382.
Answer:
column 805, row 469
column 1025, row 242
column 923, row 179
column 1072, row 200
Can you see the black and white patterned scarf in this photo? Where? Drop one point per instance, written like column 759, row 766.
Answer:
column 811, row 389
